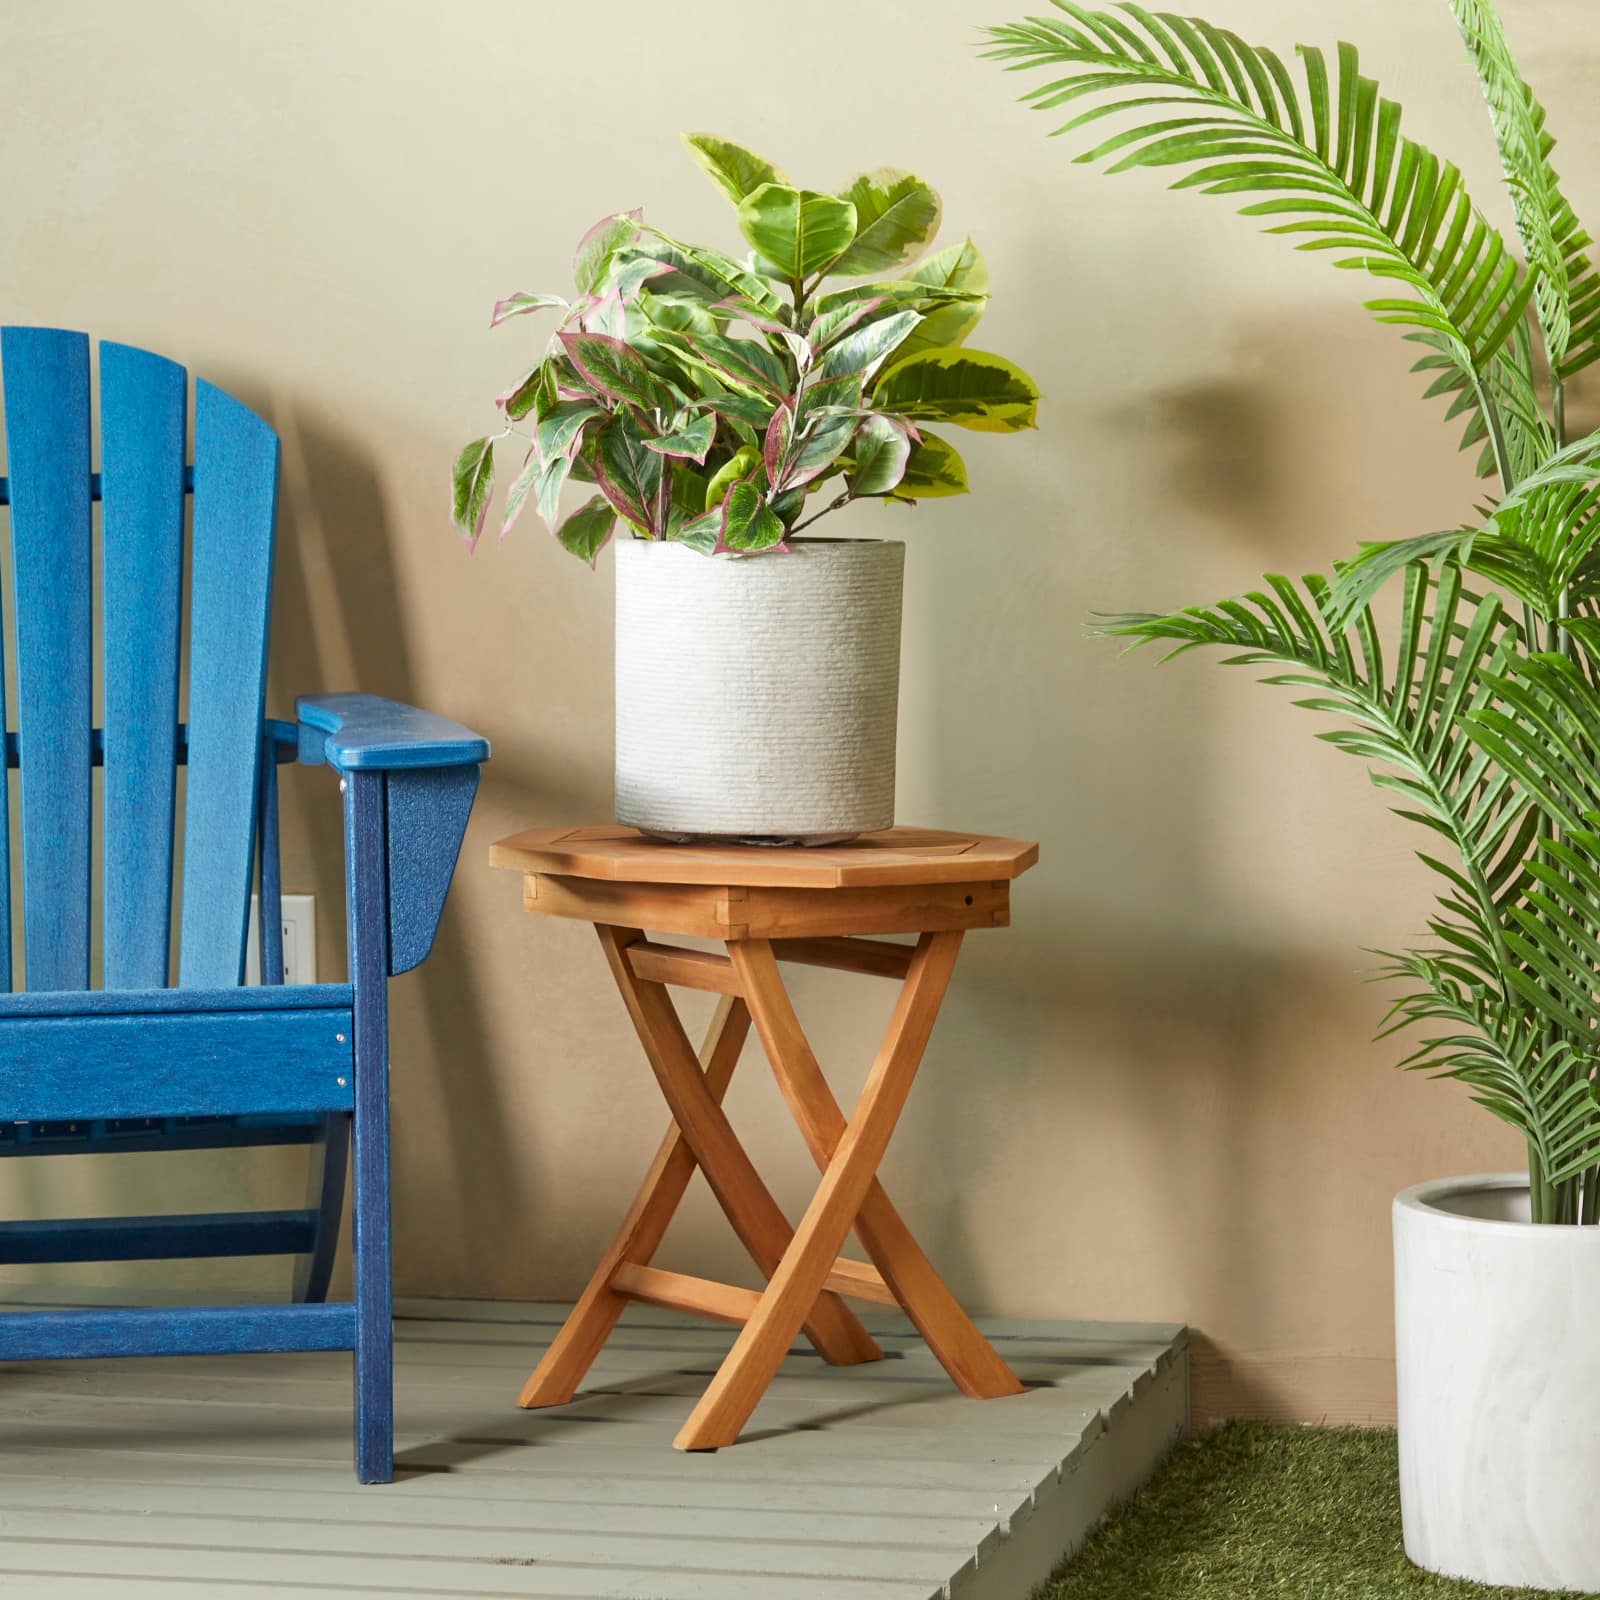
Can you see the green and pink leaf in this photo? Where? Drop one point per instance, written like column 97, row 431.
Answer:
column 517, row 494
column 596, row 248
column 517, row 305
column 748, row 522
column 626, row 472
column 561, row 427
column 588, row 530
column 881, row 452
column 690, row 441
column 472, row 484
column 611, row 368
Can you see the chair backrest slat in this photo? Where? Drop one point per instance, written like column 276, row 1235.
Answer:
column 143, row 410
column 235, row 502
column 46, row 376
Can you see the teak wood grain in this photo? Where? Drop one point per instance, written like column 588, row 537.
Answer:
column 730, row 1397
column 813, row 907
column 735, row 911
column 555, row 1380
column 874, row 860
column 756, row 1217
column 962, row 1351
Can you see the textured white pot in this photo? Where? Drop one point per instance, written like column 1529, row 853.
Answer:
column 1497, row 1328
column 756, row 696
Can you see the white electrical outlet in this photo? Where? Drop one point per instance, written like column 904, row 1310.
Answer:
column 299, row 940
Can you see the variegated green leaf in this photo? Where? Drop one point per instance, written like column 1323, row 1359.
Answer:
column 959, row 269
column 933, row 469
column 472, row 483
column 588, row 530
column 699, row 533
column 735, row 170
column 748, row 522
column 703, row 274
column 627, row 472
column 690, row 440
column 612, row 368
column 547, row 492
column 517, row 494
column 798, row 230
column 896, row 215
column 744, row 461
column 596, row 248
column 864, row 349
column 518, row 305
column 535, row 390
column 560, row 426
column 881, row 452
column 969, row 388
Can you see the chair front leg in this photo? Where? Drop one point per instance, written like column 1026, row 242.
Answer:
column 366, row 858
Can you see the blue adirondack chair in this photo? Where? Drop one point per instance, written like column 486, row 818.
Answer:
column 137, row 1064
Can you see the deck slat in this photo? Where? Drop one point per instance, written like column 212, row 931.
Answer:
column 711, row 1546
column 121, row 1480
column 376, row 1515
column 288, row 1572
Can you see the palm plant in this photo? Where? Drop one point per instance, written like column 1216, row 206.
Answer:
column 1480, row 714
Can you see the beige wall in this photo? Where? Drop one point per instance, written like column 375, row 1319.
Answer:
column 1155, row 1096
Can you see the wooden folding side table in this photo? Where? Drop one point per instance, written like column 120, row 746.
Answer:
column 825, row 907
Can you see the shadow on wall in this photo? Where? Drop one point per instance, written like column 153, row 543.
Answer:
column 338, row 624
column 1145, row 1004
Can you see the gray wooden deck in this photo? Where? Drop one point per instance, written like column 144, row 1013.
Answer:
column 226, row 1476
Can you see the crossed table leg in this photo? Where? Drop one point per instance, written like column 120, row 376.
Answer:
column 805, row 1272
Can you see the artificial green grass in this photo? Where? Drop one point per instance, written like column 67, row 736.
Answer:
column 1248, row 1511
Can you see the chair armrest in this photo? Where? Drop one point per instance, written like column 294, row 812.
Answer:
column 364, row 733
column 407, row 800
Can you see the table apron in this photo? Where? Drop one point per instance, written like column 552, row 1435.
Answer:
column 711, row 911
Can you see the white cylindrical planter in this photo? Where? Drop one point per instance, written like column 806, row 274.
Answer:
column 756, row 695
column 1497, row 1327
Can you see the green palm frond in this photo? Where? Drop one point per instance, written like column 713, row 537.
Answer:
column 1541, row 725
column 1546, row 1090
column 1479, row 743
column 1541, row 544
column 1480, row 550
column 1403, row 719
column 1326, row 160
column 1567, row 293
column 1470, row 730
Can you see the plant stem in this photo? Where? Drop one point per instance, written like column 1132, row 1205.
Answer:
column 1497, row 438
column 832, row 505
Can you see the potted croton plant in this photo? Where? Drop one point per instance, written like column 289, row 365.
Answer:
column 720, row 408
column 1477, row 701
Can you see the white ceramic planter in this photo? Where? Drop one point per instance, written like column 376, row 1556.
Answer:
column 756, row 696
column 1497, row 1328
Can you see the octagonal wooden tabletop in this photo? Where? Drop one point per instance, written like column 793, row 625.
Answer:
column 618, row 854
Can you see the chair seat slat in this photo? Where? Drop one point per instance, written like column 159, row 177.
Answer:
column 175, row 1064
